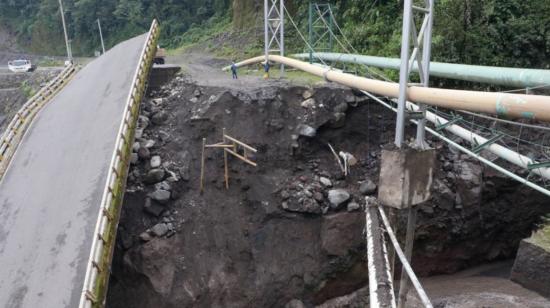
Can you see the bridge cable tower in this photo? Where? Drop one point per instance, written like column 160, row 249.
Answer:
column 420, row 56
column 274, row 29
column 320, row 32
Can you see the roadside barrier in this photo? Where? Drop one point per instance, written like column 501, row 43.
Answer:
column 23, row 118
column 96, row 280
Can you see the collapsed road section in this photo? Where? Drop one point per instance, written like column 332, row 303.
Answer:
column 52, row 191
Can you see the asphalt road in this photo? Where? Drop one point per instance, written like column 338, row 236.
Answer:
column 50, row 195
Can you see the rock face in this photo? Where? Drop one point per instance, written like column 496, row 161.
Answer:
column 532, row 267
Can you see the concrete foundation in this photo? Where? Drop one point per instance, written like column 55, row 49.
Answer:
column 406, row 177
column 532, row 267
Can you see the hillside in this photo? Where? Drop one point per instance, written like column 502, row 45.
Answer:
column 512, row 33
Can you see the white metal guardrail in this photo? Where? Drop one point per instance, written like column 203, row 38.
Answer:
column 96, row 280
column 23, row 118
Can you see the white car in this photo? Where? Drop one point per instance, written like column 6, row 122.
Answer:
column 20, row 66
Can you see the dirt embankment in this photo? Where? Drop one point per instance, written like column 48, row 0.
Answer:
column 290, row 228
column 16, row 89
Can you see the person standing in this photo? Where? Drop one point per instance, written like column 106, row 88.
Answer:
column 234, row 70
column 266, row 70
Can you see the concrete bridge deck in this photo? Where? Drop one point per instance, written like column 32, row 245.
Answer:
column 51, row 193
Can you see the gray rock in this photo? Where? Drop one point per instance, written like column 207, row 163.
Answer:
column 326, row 182
column 155, row 161
column 295, row 303
column 307, row 205
column 197, row 92
column 307, row 94
column 160, row 195
column 159, row 229
column 154, row 176
column 134, row 158
column 353, row 206
column 337, row 197
column 138, row 134
column 144, row 153
column 143, row 121
column 153, row 208
column 159, row 117
column 350, row 98
column 193, row 100
column 341, row 108
column 136, row 146
column 306, row 131
column 164, row 185
column 148, row 144
column 338, row 121
column 368, row 187
column 145, row 236
column 308, row 103
column 318, row 196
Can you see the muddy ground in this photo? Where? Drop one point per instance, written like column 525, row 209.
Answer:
column 277, row 234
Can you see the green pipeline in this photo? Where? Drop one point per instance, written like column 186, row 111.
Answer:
column 504, row 76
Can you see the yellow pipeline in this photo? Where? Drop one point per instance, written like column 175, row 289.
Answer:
column 535, row 107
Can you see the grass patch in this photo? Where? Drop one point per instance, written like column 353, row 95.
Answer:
column 50, row 63
column 542, row 236
column 294, row 76
column 27, row 90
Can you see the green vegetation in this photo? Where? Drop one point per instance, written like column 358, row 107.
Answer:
column 542, row 236
column 27, row 90
column 512, row 33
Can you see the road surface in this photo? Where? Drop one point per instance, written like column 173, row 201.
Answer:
column 50, row 195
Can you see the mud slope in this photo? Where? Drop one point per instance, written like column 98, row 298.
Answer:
column 274, row 235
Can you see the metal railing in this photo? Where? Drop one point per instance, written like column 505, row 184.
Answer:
column 96, row 280
column 23, row 118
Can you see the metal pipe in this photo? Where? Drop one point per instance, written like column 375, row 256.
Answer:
column 266, row 29
column 412, row 276
column 545, row 172
column 507, row 104
column 504, row 76
column 426, row 56
column 69, row 53
column 409, row 243
column 282, row 33
column 403, row 73
column 380, row 279
column 101, row 36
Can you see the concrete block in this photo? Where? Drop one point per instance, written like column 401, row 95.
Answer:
column 406, row 177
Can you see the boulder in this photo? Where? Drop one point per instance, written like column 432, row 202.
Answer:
column 155, row 161
column 153, row 208
column 160, row 195
column 154, row 176
column 159, row 229
column 295, row 303
column 307, row 94
column 326, row 182
column 159, row 117
column 144, row 153
column 307, row 205
column 308, row 103
column 353, row 206
column 337, row 197
column 368, row 187
column 164, row 185
column 338, row 121
column 306, row 131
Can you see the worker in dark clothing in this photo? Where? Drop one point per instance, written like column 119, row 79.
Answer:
column 234, row 70
column 266, row 70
